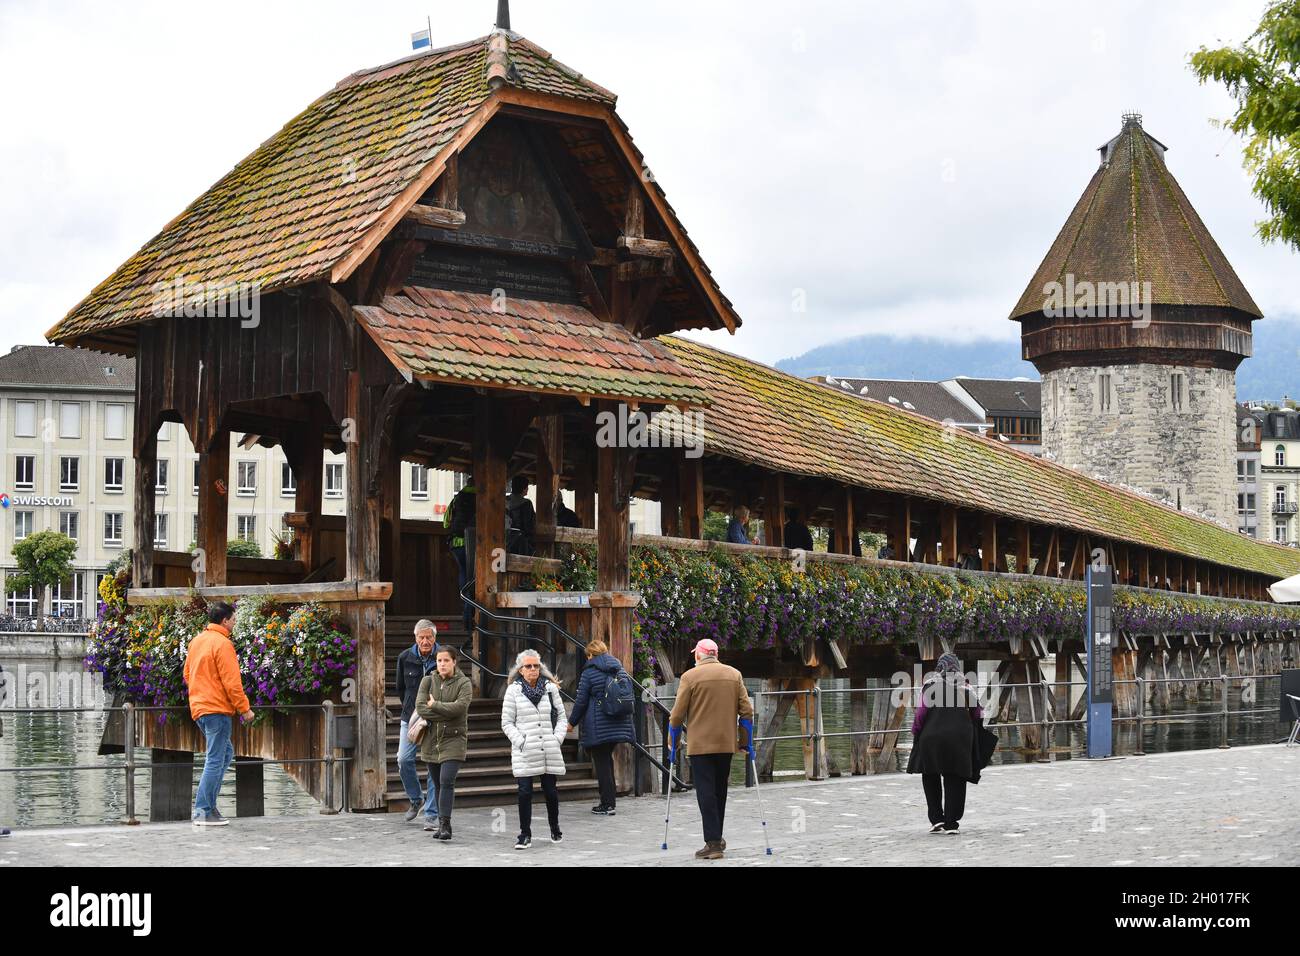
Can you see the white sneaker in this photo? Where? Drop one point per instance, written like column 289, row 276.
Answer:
column 213, row 819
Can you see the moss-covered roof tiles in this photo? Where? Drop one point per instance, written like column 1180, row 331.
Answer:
column 291, row 210
column 769, row 418
column 528, row 345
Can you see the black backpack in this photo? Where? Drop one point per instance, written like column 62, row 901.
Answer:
column 619, row 698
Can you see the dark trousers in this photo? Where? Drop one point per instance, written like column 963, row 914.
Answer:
column 445, row 775
column 552, row 796
column 602, row 758
column 463, row 575
column 938, row 787
column 709, row 773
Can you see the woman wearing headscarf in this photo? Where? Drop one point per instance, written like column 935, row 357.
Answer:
column 532, row 716
column 943, row 743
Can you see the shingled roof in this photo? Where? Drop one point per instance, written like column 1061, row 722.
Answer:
column 307, row 202
column 53, row 367
column 775, row 420
column 459, row 337
column 1134, row 224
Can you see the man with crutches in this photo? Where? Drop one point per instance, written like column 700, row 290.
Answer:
column 711, row 701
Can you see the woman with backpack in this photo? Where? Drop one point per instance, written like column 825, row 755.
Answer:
column 603, row 709
column 532, row 716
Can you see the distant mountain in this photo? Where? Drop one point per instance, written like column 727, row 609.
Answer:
column 1273, row 371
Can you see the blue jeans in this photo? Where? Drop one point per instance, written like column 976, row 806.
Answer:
column 221, row 754
column 410, row 774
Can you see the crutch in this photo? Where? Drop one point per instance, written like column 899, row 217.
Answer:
column 672, row 748
column 762, row 813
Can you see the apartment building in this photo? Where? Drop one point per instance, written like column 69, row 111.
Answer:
column 1279, row 475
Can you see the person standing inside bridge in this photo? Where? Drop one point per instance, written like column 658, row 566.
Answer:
column 216, row 691
column 413, row 665
column 603, row 709
column 712, row 703
column 532, row 716
column 738, row 526
column 944, row 741
column 460, row 517
column 443, row 700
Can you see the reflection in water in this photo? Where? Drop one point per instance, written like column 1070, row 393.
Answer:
column 77, row 797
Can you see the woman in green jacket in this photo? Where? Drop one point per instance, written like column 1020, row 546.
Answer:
column 443, row 701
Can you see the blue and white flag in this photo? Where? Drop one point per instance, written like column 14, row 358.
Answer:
column 420, row 40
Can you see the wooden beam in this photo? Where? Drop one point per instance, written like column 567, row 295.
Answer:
column 651, row 248
column 214, row 503
column 550, row 465
column 774, row 509
column 146, row 470
column 844, row 521
column 1022, row 547
column 900, row 530
column 643, row 269
column 438, row 217
column 989, row 542
column 691, row 478
column 948, row 535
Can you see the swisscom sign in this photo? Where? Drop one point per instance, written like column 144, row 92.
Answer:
column 34, row 501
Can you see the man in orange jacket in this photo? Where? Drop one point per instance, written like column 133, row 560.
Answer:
column 216, row 695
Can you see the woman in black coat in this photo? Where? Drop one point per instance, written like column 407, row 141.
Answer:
column 944, row 741
column 601, row 730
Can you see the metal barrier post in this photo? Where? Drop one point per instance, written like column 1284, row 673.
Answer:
column 128, row 740
column 1042, row 725
column 1138, row 750
column 1223, row 683
column 820, row 771
column 328, row 707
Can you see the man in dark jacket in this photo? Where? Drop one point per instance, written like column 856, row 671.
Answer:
column 565, row 517
column 712, row 702
column 522, row 515
column 412, row 665
column 602, row 730
column 796, row 533
column 460, row 516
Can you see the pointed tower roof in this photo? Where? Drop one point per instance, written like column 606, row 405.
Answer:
column 1134, row 223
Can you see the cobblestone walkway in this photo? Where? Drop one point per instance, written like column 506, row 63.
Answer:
column 1237, row 807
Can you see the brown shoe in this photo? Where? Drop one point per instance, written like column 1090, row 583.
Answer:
column 699, row 854
column 712, row 852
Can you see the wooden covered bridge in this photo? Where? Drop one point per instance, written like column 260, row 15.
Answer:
column 461, row 261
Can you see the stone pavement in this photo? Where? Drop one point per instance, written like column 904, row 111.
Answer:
column 1236, row 807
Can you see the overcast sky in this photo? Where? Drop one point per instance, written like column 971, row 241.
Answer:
column 906, row 165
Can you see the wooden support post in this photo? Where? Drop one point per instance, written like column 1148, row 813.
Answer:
column 1124, row 668
column 390, row 523
column 989, row 542
column 584, row 493
column 692, row 490
column 214, row 504
column 948, row 536
column 844, row 521
column 491, row 457
column 613, row 625
column 146, row 480
column 860, row 707
column 774, row 510
column 307, row 461
column 670, row 499
column 815, row 762
column 550, row 465
column 250, row 788
column 884, row 716
column 1022, row 547
column 772, row 711
column 171, row 786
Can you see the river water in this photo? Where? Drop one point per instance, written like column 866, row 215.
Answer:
column 65, row 798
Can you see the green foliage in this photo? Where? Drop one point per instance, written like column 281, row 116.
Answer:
column 44, row 559
column 239, row 548
column 715, row 526
column 1263, row 76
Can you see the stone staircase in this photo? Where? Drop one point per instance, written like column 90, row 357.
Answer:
column 485, row 779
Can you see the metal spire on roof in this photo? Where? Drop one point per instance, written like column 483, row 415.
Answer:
column 503, row 14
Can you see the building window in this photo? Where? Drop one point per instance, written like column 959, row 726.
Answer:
column 1279, row 456
column 1104, row 393
column 1250, row 469
column 160, row 531
column 70, row 524
column 113, row 469
column 458, row 481
column 1056, row 398
column 419, row 483
column 247, row 479
column 1279, row 498
column 288, row 483
column 196, row 476
column 1177, row 391
column 164, row 473
column 115, row 422
column 23, row 605
column 69, row 474
column 194, row 533
column 69, row 419
column 246, row 526
column 70, row 597
column 1250, row 502
column 1279, row 532
column 334, row 480
column 23, row 523
column 113, row 529
column 24, row 473
column 24, row 419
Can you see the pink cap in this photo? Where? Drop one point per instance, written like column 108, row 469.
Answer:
column 705, row 646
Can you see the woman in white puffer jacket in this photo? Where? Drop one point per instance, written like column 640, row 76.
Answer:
column 533, row 717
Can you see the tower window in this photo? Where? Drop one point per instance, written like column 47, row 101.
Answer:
column 1105, row 393
column 1177, row 391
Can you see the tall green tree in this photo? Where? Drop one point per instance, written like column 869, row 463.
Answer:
column 1263, row 76
column 44, row 560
